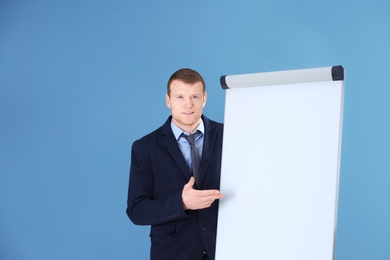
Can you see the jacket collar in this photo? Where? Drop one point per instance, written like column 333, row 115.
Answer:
column 169, row 140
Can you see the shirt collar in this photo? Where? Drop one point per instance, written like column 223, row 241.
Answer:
column 177, row 131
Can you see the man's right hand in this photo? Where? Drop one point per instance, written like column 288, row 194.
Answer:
column 198, row 199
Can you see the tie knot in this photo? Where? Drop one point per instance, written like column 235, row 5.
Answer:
column 190, row 138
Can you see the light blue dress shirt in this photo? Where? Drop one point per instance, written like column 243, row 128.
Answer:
column 184, row 145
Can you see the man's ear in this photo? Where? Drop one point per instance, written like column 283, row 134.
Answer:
column 204, row 99
column 167, row 101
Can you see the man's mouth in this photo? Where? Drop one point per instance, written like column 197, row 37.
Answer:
column 188, row 113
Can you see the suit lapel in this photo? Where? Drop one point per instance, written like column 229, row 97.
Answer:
column 170, row 142
column 208, row 147
column 173, row 148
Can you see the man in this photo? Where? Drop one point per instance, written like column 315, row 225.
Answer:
column 181, row 208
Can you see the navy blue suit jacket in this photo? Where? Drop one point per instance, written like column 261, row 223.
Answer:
column 158, row 174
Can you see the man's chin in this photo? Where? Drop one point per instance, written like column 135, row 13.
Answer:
column 189, row 122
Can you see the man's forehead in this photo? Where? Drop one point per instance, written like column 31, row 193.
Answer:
column 182, row 83
column 187, row 87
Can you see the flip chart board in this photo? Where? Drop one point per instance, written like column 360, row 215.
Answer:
column 280, row 165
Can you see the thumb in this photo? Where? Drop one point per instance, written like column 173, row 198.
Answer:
column 190, row 183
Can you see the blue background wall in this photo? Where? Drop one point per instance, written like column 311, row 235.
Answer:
column 81, row 80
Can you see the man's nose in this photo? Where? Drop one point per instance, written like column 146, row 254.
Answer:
column 188, row 101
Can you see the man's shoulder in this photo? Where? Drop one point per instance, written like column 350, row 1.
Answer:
column 157, row 133
column 150, row 137
column 209, row 123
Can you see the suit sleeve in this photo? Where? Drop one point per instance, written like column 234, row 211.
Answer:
column 143, row 208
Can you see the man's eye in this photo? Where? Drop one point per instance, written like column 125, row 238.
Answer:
column 179, row 97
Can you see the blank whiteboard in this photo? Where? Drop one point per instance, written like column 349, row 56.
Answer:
column 280, row 165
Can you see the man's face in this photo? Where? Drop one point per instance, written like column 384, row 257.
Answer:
column 186, row 102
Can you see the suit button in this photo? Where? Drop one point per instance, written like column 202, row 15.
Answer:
column 203, row 229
